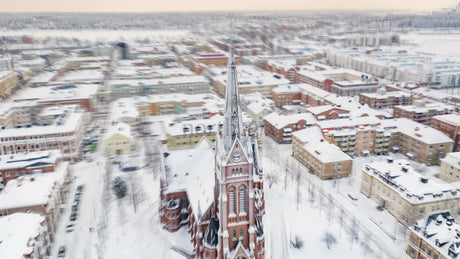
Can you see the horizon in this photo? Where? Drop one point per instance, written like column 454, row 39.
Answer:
column 180, row 6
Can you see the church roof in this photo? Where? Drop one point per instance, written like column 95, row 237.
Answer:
column 211, row 236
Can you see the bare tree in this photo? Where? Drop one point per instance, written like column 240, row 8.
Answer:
column 329, row 239
column 366, row 246
column 297, row 242
column 298, row 187
column 135, row 190
column 271, row 179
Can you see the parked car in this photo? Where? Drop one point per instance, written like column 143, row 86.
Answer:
column 80, row 187
column 73, row 217
column 69, row 228
column 61, row 252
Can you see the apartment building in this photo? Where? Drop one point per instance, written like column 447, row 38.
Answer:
column 357, row 136
column 39, row 193
column 24, row 235
column 450, row 168
column 65, row 133
column 187, row 134
column 328, row 112
column 422, row 112
column 435, row 236
column 383, row 99
column 323, row 159
column 9, row 80
column 14, row 166
column 417, row 141
column 405, row 193
column 449, row 124
column 181, row 84
column 251, row 80
column 286, row 95
column 280, row 127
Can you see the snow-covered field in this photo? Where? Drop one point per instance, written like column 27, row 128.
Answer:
column 441, row 44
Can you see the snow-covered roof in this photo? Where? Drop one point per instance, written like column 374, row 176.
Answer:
column 249, row 76
column 281, row 121
column 257, row 107
column 414, row 187
column 32, row 190
column 18, row 234
column 195, row 126
column 349, row 122
column 322, row 150
column 23, row 160
column 382, row 95
column 160, row 81
column 51, row 93
column 323, row 108
column 291, row 88
column 69, row 124
column 118, row 128
column 440, row 231
column 453, row 119
column 192, row 170
column 82, row 75
column 416, row 130
column 425, row 108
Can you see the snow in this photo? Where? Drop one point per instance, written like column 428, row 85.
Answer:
column 417, row 131
column 118, row 128
column 17, row 231
column 23, row 160
column 192, row 170
column 453, row 119
column 414, row 188
column 32, row 190
column 280, row 121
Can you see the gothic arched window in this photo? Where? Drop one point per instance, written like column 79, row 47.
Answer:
column 231, row 197
column 242, row 199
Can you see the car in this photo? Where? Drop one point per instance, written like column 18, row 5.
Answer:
column 80, row 187
column 73, row 217
column 69, row 228
column 61, row 252
column 74, row 207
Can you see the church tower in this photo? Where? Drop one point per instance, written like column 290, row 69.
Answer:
column 238, row 191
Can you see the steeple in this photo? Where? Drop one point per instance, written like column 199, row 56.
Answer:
column 232, row 118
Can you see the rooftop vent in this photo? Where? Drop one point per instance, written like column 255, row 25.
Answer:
column 424, row 180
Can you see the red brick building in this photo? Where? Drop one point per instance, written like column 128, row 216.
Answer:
column 280, row 127
column 286, row 95
column 449, row 124
column 13, row 166
column 328, row 112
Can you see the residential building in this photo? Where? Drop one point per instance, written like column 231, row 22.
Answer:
column 449, row 124
column 323, row 159
column 435, row 236
column 328, row 112
column 383, row 99
column 38, row 193
column 181, row 84
column 257, row 111
column 405, row 193
column 422, row 112
column 14, row 166
column 24, row 235
column 118, row 139
column 450, row 168
column 217, row 59
column 187, row 134
column 65, row 133
column 418, row 142
column 251, row 80
column 9, row 80
column 286, row 95
column 280, row 127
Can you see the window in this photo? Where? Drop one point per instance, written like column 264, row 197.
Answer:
column 231, row 195
column 241, row 234
column 242, row 199
column 234, row 234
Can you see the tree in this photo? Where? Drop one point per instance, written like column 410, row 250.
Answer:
column 297, row 242
column 119, row 187
column 271, row 179
column 136, row 192
column 329, row 239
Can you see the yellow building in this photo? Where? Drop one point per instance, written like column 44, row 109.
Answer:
column 405, row 193
column 8, row 81
column 187, row 134
column 323, row 159
column 450, row 167
column 118, row 140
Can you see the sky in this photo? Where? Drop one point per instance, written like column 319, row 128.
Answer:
column 216, row 5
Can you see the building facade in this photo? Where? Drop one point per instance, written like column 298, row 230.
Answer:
column 450, row 168
column 449, row 124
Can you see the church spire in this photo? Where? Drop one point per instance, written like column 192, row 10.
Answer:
column 232, row 117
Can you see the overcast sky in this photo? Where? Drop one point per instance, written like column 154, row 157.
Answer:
column 215, row 5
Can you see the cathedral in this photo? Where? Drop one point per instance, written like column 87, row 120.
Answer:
column 224, row 222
